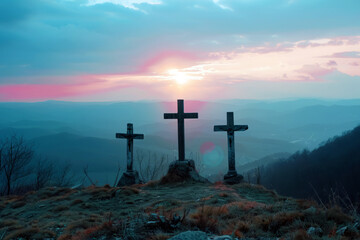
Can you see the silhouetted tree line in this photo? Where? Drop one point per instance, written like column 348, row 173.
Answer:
column 329, row 173
column 22, row 171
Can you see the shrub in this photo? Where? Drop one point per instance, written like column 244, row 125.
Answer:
column 207, row 217
column 337, row 215
column 284, row 219
column 301, row 235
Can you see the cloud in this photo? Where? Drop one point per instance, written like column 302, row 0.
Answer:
column 132, row 4
column 352, row 54
column 205, row 75
column 72, row 37
column 136, row 42
column 331, row 63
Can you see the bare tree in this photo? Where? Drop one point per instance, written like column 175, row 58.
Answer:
column 16, row 156
column 258, row 175
column 64, row 176
column 44, row 172
column 152, row 167
column 85, row 170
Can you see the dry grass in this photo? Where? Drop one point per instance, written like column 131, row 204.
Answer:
column 60, row 208
column 207, row 218
column 159, row 236
column 241, row 210
column 301, row 234
column 128, row 191
column 18, row 204
column 76, row 202
column 104, row 229
column 30, row 233
column 337, row 215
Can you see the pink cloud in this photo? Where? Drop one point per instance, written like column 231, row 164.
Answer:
column 331, row 63
column 167, row 59
column 35, row 92
column 352, row 54
column 206, row 76
column 314, row 72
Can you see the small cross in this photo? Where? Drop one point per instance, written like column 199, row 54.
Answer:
column 230, row 128
column 130, row 136
column 180, row 116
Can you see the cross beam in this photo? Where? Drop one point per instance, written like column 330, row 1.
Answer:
column 181, row 116
column 130, row 136
column 230, row 128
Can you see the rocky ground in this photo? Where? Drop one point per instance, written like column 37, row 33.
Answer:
column 155, row 212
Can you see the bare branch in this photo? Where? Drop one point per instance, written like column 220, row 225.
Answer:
column 87, row 175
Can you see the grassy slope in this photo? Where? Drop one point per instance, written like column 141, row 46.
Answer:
column 242, row 210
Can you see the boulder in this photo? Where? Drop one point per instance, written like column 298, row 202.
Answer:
column 129, row 178
column 181, row 171
column 225, row 237
column 190, row 235
column 315, row 231
column 311, row 210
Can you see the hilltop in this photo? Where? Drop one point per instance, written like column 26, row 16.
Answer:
column 155, row 212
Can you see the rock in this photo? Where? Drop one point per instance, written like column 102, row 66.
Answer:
column 347, row 231
column 315, row 231
column 162, row 219
column 190, row 235
column 77, row 186
column 159, row 221
column 129, row 178
column 153, row 217
column 341, row 231
column 311, row 210
column 225, row 237
column 180, row 171
column 233, row 178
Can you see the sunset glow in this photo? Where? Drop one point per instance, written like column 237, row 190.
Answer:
column 72, row 59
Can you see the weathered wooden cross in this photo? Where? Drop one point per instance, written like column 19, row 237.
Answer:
column 180, row 116
column 230, row 128
column 130, row 136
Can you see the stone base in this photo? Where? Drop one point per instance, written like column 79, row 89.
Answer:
column 233, row 178
column 129, row 178
column 181, row 171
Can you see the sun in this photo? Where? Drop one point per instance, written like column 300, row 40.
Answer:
column 178, row 76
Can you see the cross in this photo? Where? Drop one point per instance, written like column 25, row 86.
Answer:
column 230, row 128
column 180, row 116
column 130, row 136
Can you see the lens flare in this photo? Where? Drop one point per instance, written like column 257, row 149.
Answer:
column 213, row 155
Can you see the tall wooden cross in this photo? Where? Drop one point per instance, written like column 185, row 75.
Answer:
column 230, row 128
column 181, row 116
column 130, row 136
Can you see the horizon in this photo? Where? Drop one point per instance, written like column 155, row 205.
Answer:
column 195, row 100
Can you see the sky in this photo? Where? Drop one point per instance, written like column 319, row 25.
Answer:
column 130, row 50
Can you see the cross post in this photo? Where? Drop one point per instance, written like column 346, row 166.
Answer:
column 181, row 116
column 130, row 136
column 230, row 128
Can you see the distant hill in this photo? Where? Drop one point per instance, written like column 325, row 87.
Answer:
column 330, row 170
column 263, row 161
